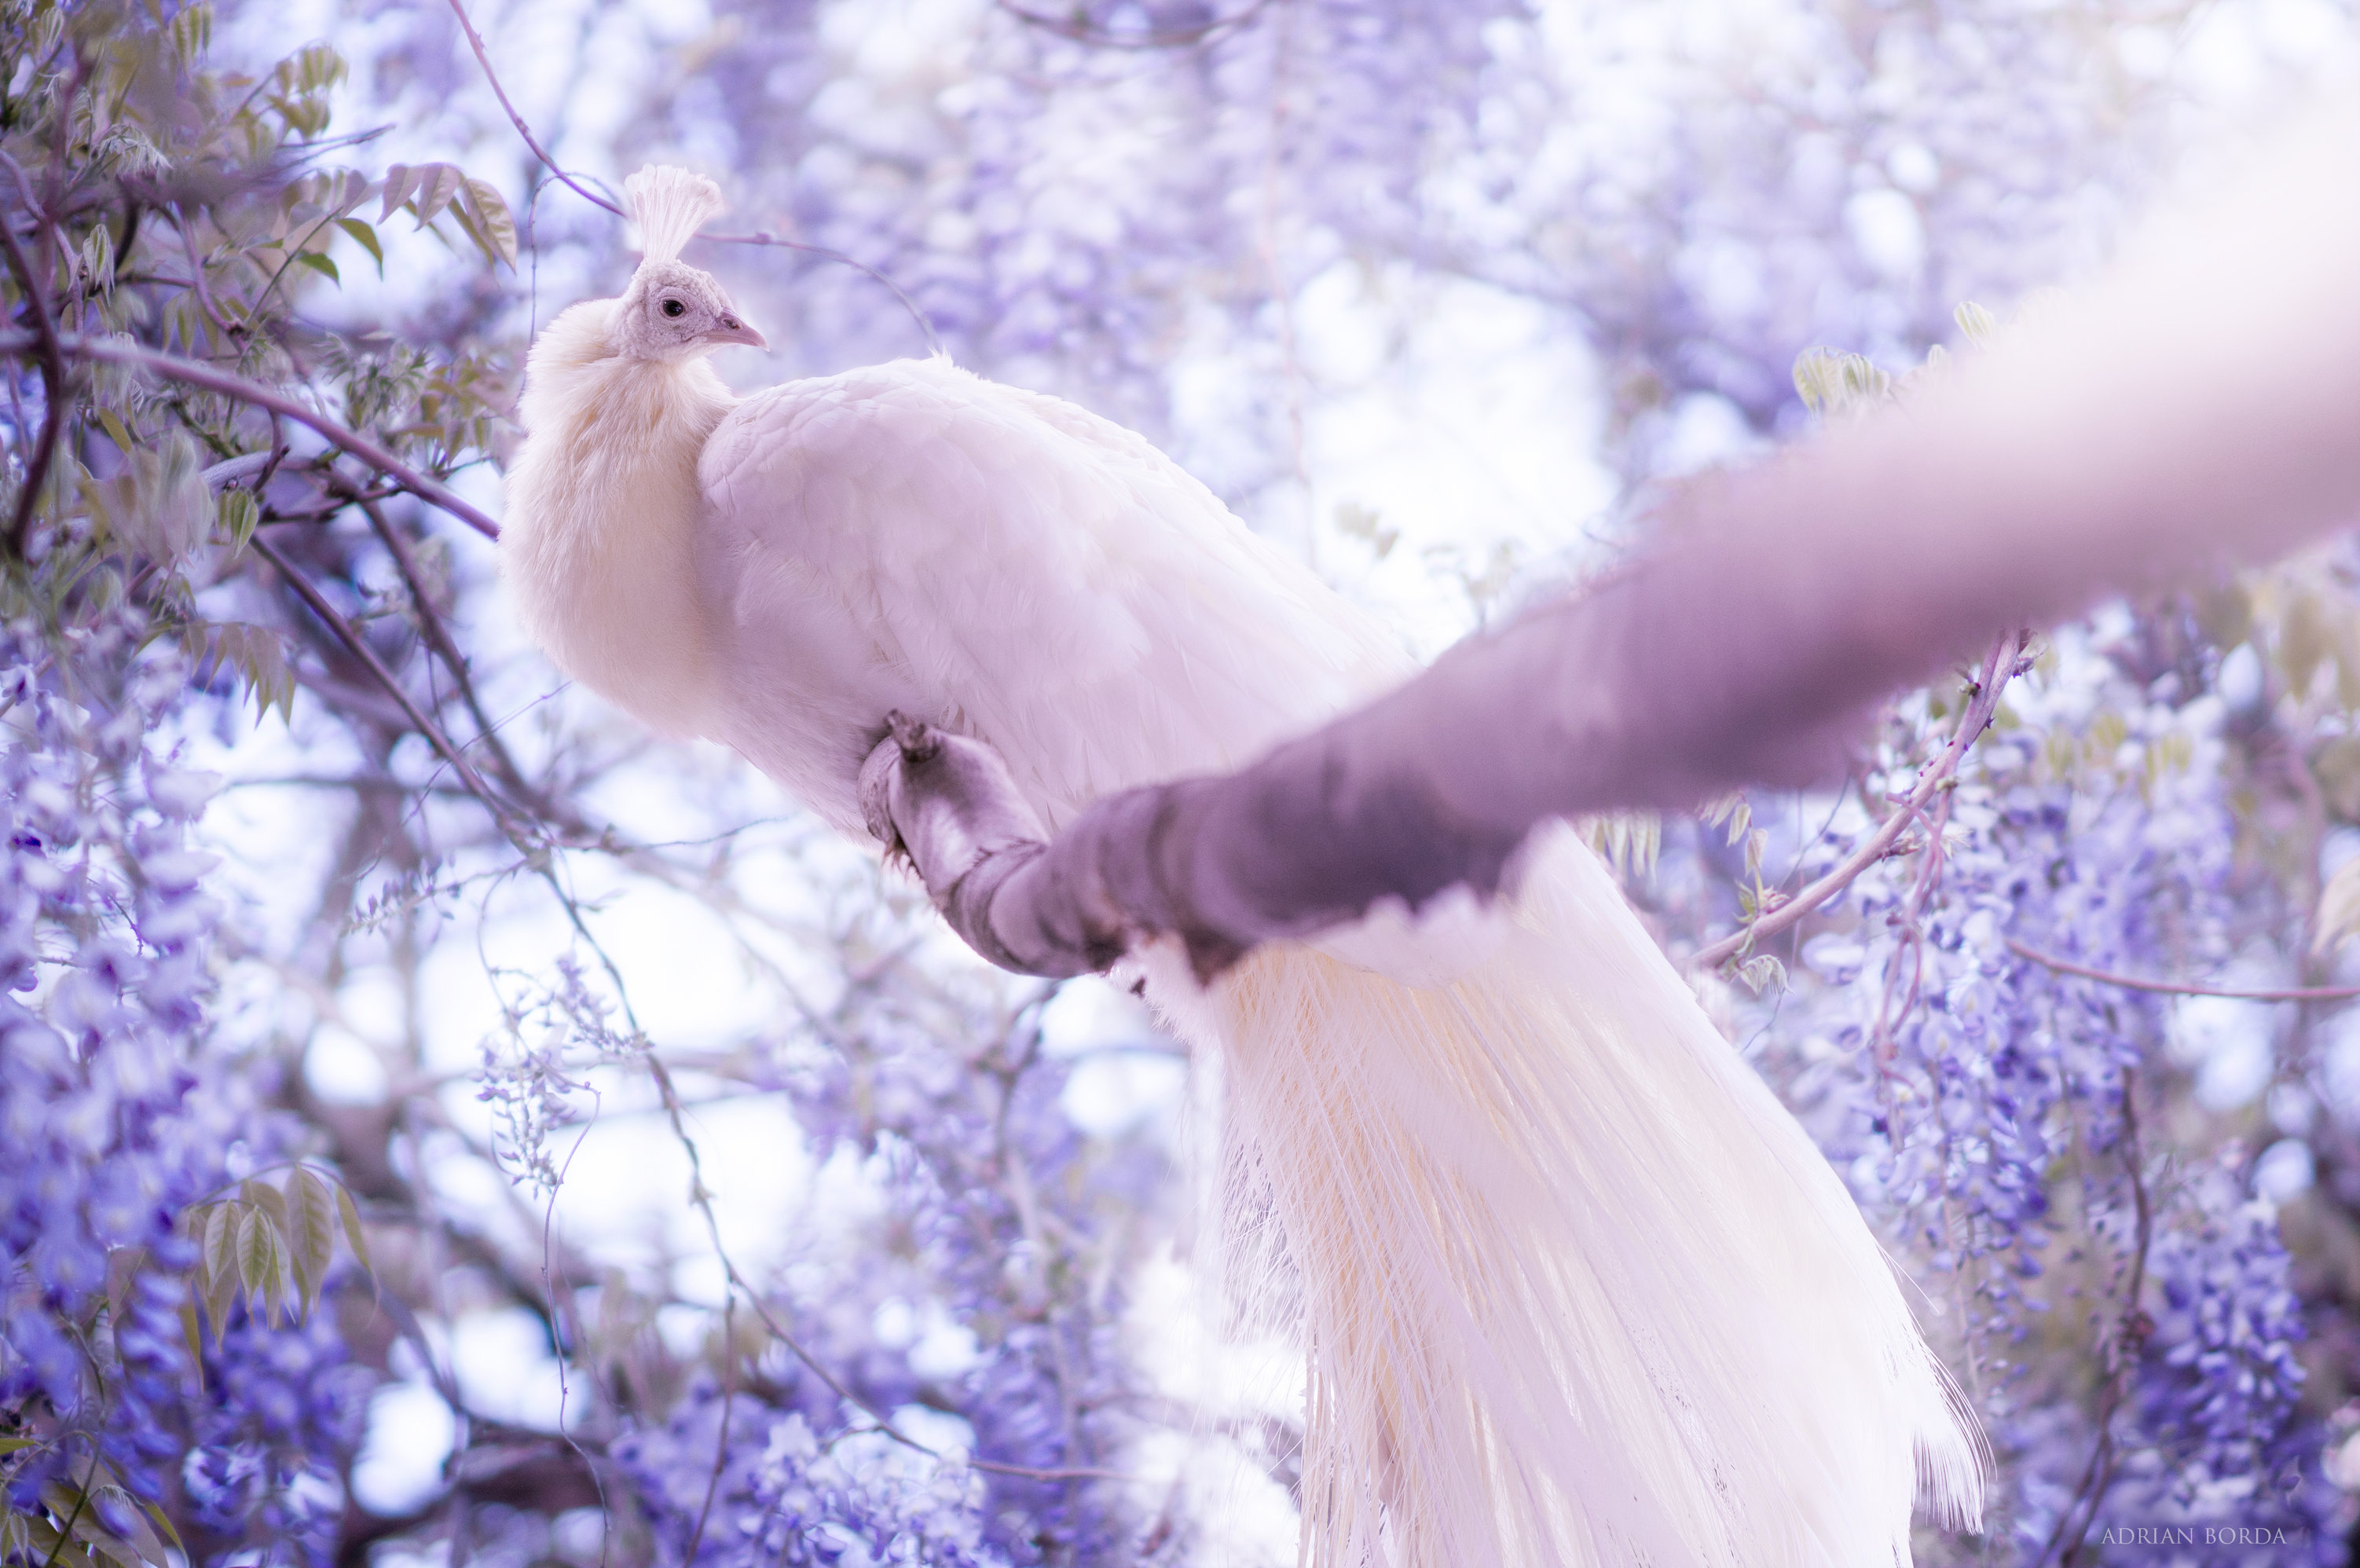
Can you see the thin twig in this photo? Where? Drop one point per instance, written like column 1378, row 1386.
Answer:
column 197, row 374
column 668, row 1092
column 197, row 279
column 475, row 42
column 58, row 157
column 720, row 1443
column 360, row 649
column 82, row 1500
column 759, row 237
column 701, row 1198
column 1972, row 724
column 2177, row 987
column 360, row 782
column 438, row 637
column 299, row 249
column 2122, row 1350
column 698, row 1196
column 1998, row 666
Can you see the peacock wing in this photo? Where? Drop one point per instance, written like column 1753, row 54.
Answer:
column 1018, row 568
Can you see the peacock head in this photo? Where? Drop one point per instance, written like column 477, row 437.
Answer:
column 672, row 310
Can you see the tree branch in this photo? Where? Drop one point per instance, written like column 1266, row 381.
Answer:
column 360, row 649
column 53, row 379
column 760, row 237
column 2196, row 409
column 2180, row 988
column 438, row 637
column 196, row 374
column 1981, row 706
column 2121, row 1351
column 475, row 42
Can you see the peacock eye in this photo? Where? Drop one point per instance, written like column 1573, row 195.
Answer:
column 673, row 308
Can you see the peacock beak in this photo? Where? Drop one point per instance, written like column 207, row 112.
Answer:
column 733, row 329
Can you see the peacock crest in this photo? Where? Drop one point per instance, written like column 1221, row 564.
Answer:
column 671, row 205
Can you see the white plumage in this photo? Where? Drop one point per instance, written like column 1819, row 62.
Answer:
column 1574, row 1288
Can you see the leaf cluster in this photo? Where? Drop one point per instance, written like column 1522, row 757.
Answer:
column 271, row 1247
column 155, row 199
column 88, row 1519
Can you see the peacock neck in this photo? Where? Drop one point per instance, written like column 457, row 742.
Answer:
column 599, row 543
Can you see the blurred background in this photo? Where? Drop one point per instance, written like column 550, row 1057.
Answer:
column 717, row 1206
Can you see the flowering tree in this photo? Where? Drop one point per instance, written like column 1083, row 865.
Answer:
column 245, row 481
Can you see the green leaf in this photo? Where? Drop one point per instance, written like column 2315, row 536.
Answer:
column 98, row 257
column 437, row 184
column 353, row 1231
column 256, row 653
column 142, row 1540
column 158, row 506
column 54, row 1548
column 238, row 514
column 311, row 1227
column 1629, row 842
column 18, row 1444
column 2336, row 765
column 266, row 1198
column 89, row 1527
column 220, row 1248
column 494, row 230
column 2225, row 611
column 2306, row 640
column 103, row 1542
column 1763, row 972
column 1833, row 383
column 195, row 1336
column 262, row 1264
column 163, row 1522
column 321, row 265
column 365, row 238
column 56, row 1552
column 221, row 1295
column 398, row 182
column 191, row 34
column 115, row 430
column 122, row 1265
column 1811, row 381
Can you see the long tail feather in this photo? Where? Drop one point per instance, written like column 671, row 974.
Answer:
column 1575, row 1288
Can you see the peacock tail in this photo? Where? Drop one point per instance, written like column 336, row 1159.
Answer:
column 1573, row 1287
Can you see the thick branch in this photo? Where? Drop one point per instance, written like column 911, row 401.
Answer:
column 53, row 383
column 2197, row 409
column 195, row 373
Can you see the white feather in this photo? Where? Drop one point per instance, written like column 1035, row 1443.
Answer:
column 597, row 543
column 670, row 204
column 1575, row 1288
